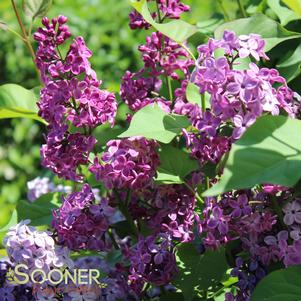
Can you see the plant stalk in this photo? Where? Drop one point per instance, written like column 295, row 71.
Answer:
column 25, row 39
column 242, row 9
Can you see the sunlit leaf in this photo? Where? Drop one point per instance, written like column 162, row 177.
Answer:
column 153, row 123
column 269, row 152
column 177, row 30
column 36, row 8
column 270, row 30
column 16, row 101
column 280, row 285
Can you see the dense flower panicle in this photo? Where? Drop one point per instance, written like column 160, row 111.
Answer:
column 152, row 260
column 174, row 212
column 82, row 223
column 35, row 249
column 93, row 106
column 71, row 93
column 164, row 56
column 53, row 34
column 207, row 149
column 240, row 95
column 128, row 163
column 65, row 153
column 137, row 91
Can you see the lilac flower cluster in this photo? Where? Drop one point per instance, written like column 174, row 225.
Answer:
column 36, row 249
column 266, row 220
column 174, row 212
column 161, row 57
column 71, row 93
column 152, row 260
column 82, row 223
column 128, row 163
column 41, row 186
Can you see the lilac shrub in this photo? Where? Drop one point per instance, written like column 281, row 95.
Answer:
column 136, row 209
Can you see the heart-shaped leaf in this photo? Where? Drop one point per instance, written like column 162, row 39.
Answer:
column 269, row 152
column 270, row 30
column 153, row 123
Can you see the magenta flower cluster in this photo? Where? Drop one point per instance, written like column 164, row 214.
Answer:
column 82, row 223
column 71, row 96
column 128, row 163
column 152, row 260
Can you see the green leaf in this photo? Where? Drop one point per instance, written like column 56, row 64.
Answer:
column 177, row 30
column 3, row 253
column 40, row 211
column 175, row 165
column 270, row 30
column 36, row 8
column 153, row 123
column 16, row 101
column 291, row 67
column 13, row 221
column 294, row 5
column 193, row 96
column 172, row 296
column 207, row 27
column 198, row 272
column 280, row 285
column 284, row 14
column 269, row 152
column 3, row 25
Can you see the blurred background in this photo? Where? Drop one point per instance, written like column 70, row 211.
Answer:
column 104, row 25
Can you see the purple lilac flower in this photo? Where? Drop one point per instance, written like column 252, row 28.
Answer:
column 172, row 8
column 82, row 223
column 137, row 91
column 152, row 260
column 292, row 213
column 291, row 254
column 240, row 206
column 128, row 163
column 248, row 277
column 214, row 224
column 7, row 294
column 137, row 21
column 240, row 95
column 163, row 56
column 64, row 154
column 71, row 93
column 174, row 212
column 36, row 249
column 38, row 187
